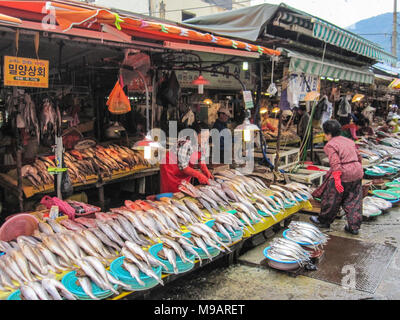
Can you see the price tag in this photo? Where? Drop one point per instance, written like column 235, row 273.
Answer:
column 248, row 100
column 56, row 170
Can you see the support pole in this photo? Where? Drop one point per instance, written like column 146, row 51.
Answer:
column 394, row 35
column 278, row 147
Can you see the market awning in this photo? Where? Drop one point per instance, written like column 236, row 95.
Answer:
column 9, row 20
column 312, row 65
column 249, row 24
column 344, row 39
column 85, row 16
column 70, row 19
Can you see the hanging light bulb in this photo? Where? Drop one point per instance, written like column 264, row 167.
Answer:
column 358, row 97
column 147, row 145
column 245, row 66
column 200, row 82
column 276, row 110
column 208, row 101
column 247, row 128
column 263, row 110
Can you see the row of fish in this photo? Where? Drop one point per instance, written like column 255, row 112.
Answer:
column 97, row 160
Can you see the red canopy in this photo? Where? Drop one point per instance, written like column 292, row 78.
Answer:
column 74, row 14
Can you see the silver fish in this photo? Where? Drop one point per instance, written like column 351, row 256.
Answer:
column 53, row 283
column 200, row 243
column 100, row 235
column 45, row 228
column 23, row 265
column 27, row 293
column 109, row 231
column 98, row 266
column 171, row 257
column 134, row 271
column 86, row 285
column 39, row 290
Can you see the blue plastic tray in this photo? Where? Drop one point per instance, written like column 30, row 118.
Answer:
column 69, row 281
column 235, row 237
column 16, row 295
column 181, row 266
column 119, row 271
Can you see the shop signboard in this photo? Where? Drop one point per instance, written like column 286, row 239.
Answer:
column 304, row 83
column 220, row 75
column 26, row 72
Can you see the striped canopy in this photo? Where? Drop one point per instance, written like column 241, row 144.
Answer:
column 312, row 65
column 349, row 41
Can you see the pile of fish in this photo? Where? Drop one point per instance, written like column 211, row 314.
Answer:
column 98, row 160
column 374, row 205
column 395, row 143
column 232, row 190
column 306, row 233
column 373, row 151
column 87, row 245
column 288, row 251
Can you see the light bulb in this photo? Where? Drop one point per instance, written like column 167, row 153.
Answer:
column 245, row 66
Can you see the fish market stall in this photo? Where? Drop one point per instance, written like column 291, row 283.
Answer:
column 141, row 244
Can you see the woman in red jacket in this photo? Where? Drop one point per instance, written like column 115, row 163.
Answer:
column 180, row 160
column 343, row 183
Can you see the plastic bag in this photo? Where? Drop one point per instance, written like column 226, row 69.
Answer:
column 118, row 102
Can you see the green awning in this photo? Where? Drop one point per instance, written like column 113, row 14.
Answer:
column 344, row 39
column 312, row 65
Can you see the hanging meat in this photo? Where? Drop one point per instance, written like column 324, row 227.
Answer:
column 21, row 105
column 31, row 120
column 50, row 122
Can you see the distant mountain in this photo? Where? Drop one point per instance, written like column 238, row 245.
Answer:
column 378, row 29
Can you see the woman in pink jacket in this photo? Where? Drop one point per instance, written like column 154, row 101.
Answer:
column 343, row 183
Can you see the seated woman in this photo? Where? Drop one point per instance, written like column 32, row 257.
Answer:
column 349, row 130
column 365, row 128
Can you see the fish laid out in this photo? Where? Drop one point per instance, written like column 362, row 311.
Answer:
column 45, row 289
column 98, row 160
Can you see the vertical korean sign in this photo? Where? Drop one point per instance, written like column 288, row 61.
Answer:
column 25, row 72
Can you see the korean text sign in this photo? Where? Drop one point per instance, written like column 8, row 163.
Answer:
column 25, row 72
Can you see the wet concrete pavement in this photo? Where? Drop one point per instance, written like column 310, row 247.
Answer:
column 247, row 280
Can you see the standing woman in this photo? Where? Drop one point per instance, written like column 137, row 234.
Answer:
column 343, row 184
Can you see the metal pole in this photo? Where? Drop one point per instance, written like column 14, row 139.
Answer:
column 278, row 147
column 394, row 35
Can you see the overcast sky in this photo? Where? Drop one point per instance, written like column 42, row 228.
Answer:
column 343, row 13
